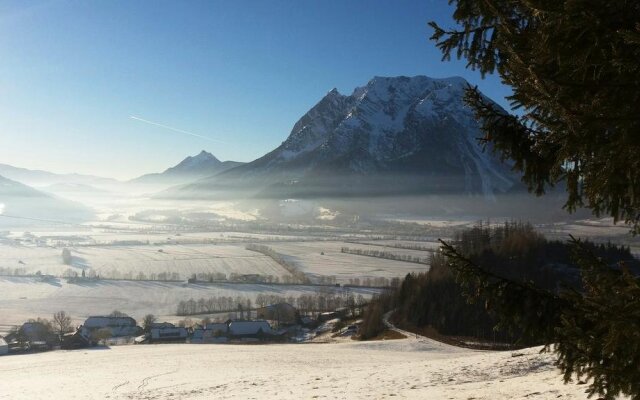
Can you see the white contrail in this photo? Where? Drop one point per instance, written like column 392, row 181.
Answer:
column 175, row 129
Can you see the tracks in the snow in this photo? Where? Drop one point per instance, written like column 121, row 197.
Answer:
column 146, row 380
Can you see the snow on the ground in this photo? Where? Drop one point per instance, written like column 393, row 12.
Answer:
column 310, row 260
column 187, row 259
column 357, row 370
column 183, row 259
column 25, row 298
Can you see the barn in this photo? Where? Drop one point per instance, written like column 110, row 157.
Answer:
column 76, row 340
column 218, row 328
column 250, row 329
column 168, row 334
column 119, row 326
column 161, row 325
column 207, row 336
column 32, row 336
column 340, row 313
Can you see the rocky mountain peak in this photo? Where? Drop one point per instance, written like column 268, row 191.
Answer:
column 416, row 127
column 203, row 159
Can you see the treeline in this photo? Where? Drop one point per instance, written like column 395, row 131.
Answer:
column 374, row 282
column 73, row 276
column 514, row 251
column 298, row 276
column 90, row 274
column 211, row 277
column 213, row 304
column 305, row 303
column 405, row 246
column 386, row 255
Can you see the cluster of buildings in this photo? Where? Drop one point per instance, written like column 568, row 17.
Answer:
column 32, row 336
column 274, row 323
column 217, row 332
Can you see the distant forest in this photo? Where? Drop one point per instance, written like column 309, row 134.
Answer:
column 514, row 251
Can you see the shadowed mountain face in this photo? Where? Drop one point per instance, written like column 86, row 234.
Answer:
column 401, row 135
column 18, row 200
column 190, row 169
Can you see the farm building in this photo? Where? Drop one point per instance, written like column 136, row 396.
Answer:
column 36, row 331
column 76, row 340
column 161, row 325
column 339, row 313
column 168, row 334
column 250, row 329
column 282, row 313
column 202, row 336
column 4, row 347
column 220, row 327
column 119, row 326
column 32, row 336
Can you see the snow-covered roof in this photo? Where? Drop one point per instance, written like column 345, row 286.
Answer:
column 103, row 322
column 168, row 333
column 249, row 327
column 162, row 325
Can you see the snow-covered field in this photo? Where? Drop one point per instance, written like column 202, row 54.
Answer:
column 187, row 259
column 407, row 368
column 183, row 259
column 309, row 258
column 24, row 298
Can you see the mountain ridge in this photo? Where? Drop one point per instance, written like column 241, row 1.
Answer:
column 22, row 201
column 415, row 132
column 36, row 177
column 191, row 168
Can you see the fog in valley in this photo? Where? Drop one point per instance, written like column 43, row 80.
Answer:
column 329, row 199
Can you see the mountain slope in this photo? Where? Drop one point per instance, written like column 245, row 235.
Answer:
column 45, row 178
column 190, row 169
column 392, row 136
column 17, row 199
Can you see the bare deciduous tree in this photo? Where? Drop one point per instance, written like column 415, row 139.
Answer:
column 61, row 323
column 148, row 320
column 118, row 314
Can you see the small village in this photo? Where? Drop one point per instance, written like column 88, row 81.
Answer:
column 274, row 323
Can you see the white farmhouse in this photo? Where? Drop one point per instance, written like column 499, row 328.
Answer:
column 119, row 326
column 254, row 329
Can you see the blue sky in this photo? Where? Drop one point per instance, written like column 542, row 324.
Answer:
column 238, row 72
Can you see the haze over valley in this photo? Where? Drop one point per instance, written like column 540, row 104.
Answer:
column 319, row 200
column 397, row 147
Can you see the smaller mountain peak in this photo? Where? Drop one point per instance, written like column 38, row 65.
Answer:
column 197, row 161
column 202, row 157
column 204, row 153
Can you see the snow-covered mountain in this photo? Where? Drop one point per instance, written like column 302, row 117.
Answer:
column 190, row 169
column 393, row 135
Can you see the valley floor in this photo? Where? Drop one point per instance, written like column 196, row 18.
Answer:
column 408, row 368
